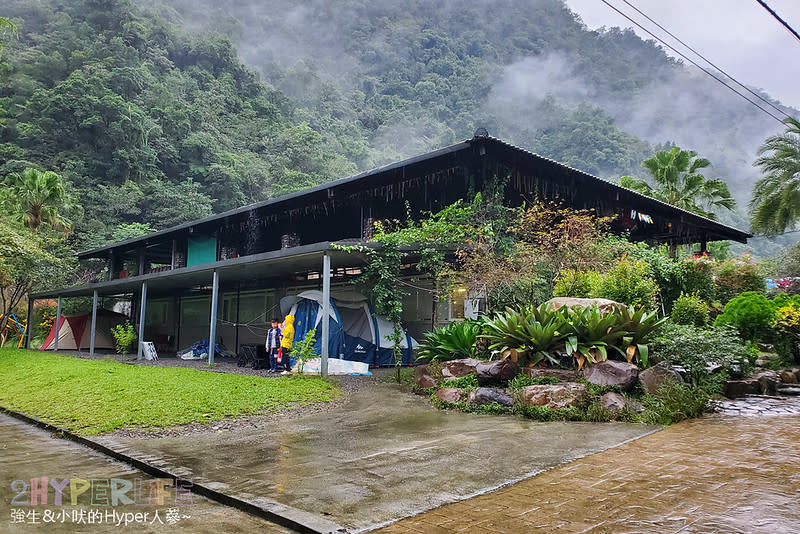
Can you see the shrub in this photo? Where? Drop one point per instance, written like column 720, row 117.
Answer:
column 304, row 350
column 467, row 382
column 738, row 276
column 698, row 277
column 673, row 403
column 529, row 335
column 451, row 342
column 690, row 310
column 522, row 380
column 751, row 313
column 629, row 282
column 698, row 349
column 124, row 337
column 575, row 283
column 518, row 293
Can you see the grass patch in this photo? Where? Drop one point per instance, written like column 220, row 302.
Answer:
column 94, row 396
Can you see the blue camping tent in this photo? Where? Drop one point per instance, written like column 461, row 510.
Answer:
column 355, row 332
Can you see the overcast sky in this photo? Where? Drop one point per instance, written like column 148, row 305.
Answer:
column 740, row 36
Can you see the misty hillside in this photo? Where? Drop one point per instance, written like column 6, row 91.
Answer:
column 163, row 111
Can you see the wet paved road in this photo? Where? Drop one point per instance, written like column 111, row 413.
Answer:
column 380, row 456
column 27, row 452
column 721, row 474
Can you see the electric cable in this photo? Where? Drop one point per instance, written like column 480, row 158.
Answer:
column 692, row 62
column 779, row 19
column 701, row 56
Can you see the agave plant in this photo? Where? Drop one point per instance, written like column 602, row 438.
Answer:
column 640, row 325
column 456, row 340
column 593, row 333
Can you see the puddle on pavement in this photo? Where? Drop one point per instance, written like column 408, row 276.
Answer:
column 27, row 452
column 381, row 455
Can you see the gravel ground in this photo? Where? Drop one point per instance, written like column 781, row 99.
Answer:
column 348, row 385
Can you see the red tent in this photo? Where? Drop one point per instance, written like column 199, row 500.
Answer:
column 75, row 332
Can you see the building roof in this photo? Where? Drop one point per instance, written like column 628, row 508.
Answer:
column 718, row 229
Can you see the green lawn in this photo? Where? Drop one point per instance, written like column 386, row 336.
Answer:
column 95, row 396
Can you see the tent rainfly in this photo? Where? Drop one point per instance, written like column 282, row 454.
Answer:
column 74, row 332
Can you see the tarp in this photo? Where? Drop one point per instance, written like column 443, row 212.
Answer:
column 74, row 332
column 356, row 333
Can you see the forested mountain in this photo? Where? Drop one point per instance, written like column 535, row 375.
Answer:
column 165, row 110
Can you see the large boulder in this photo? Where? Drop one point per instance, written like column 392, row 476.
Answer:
column 768, row 380
column 613, row 402
column 604, row 305
column 423, row 377
column 741, row 388
column 496, row 371
column 654, row 377
column 612, row 373
column 563, row 375
column 553, row 396
column 482, row 396
column 459, row 368
column 451, row 395
column 788, row 377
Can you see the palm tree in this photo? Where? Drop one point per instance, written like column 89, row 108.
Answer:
column 37, row 196
column 678, row 182
column 776, row 197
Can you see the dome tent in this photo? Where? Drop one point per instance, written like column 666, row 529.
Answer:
column 355, row 332
column 74, row 332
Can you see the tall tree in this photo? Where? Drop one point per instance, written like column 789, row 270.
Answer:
column 678, row 181
column 37, row 197
column 775, row 205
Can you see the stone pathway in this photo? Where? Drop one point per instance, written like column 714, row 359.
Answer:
column 720, row 474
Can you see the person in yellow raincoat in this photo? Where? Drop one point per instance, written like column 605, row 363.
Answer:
column 286, row 343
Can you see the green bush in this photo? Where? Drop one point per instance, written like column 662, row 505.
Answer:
column 697, row 275
column 533, row 290
column 124, row 337
column 629, row 282
column 529, row 335
column 468, row 382
column 697, row 349
column 738, row 276
column 690, row 310
column 751, row 314
column 451, row 342
column 575, row 283
column 522, row 380
column 675, row 402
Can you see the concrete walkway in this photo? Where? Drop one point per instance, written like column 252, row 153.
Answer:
column 380, row 456
column 27, row 452
column 720, row 474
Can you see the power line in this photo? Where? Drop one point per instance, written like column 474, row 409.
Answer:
column 690, row 61
column 773, row 106
column 779, row 19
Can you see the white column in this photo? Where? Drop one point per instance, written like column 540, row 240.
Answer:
column 58, row 325
column 212, row 334
column 142, row 312
column 94, row 323
column 326, row 311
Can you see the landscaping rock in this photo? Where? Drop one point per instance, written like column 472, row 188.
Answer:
column 553, row 396
column 563, row 375
column 788, row 377
column 423, row 377
column 653, row 378
column 789, row 390
column 451, row 395
column 768, row 380
column 613, row 402
column 496, row 371
column 612, row 373
column 482, row 396
column 765, row 347
column 740, row 388
column 459, row 368
column 604, row 305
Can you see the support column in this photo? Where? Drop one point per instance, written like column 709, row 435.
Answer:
column 326, row 311
column 212, row 334
column 28, row 323
column 174, row 251
column 142, row 311
column 58, row 325
column 94, row 323
column 238, row 300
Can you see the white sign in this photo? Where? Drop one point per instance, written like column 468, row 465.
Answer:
column 149, row 350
